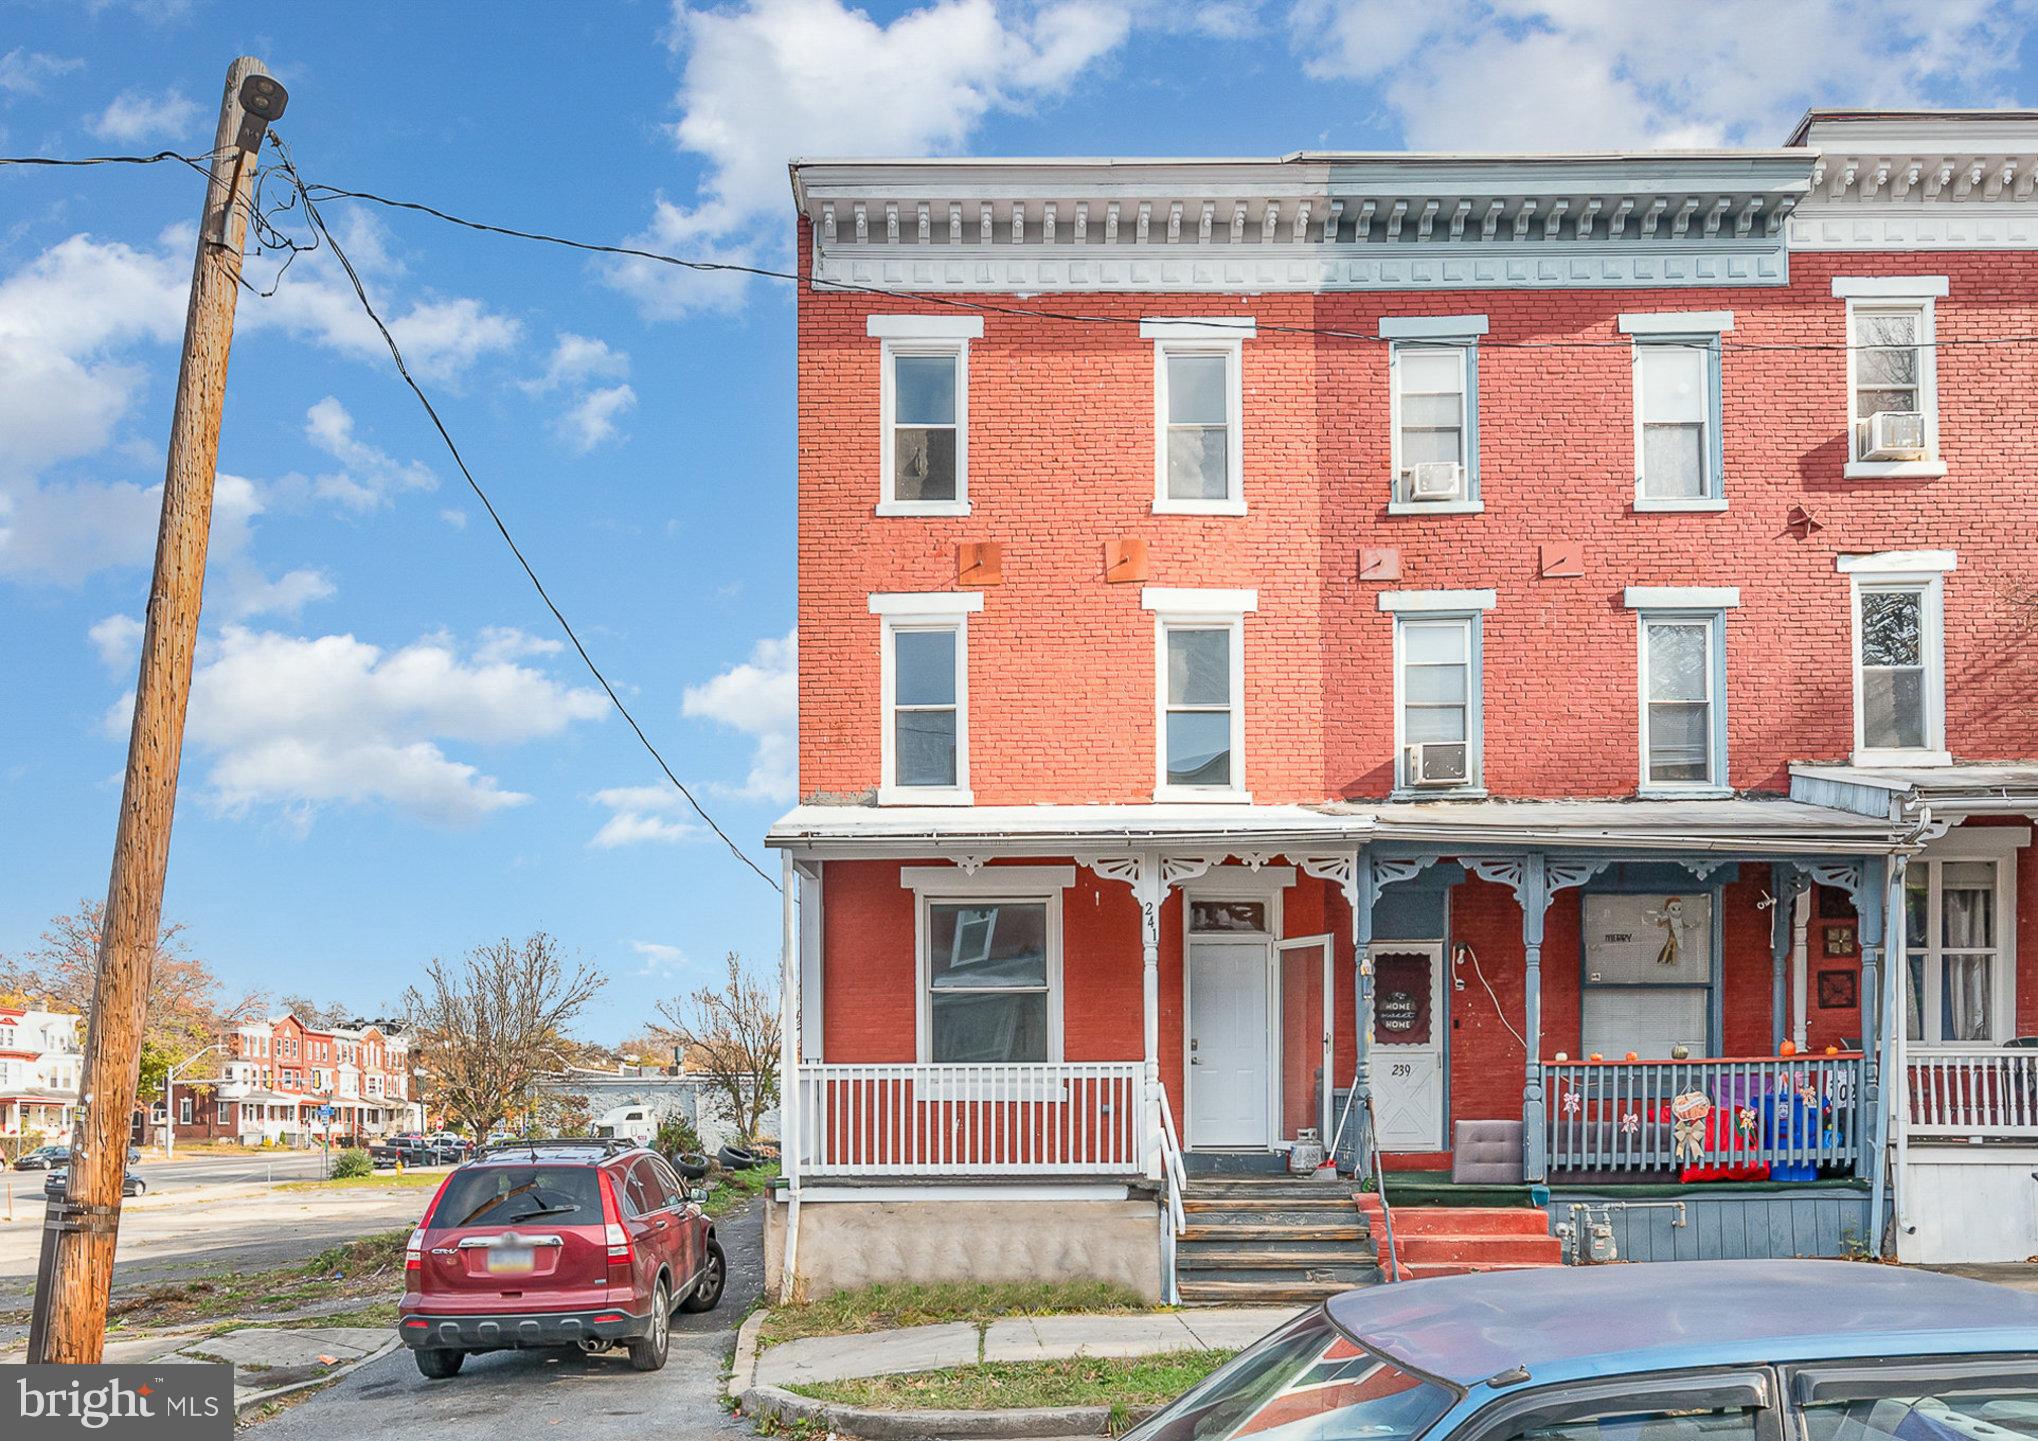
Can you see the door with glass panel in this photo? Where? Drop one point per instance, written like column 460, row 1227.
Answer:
column 1408, row 1046
column 1231, row 1013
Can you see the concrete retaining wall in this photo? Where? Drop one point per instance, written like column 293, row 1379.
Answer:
column 846, row 1244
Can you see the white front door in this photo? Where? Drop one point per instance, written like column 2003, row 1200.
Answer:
column 1229, row 1066
column 1409, row 1019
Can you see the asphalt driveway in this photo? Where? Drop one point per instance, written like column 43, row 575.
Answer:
column 510, row 1395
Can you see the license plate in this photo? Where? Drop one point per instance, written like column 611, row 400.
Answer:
column 510, row 1260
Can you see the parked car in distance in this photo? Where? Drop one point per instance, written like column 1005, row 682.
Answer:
column 583, row 1243
column 58, row 1182
column 42, row 1158
column 1696, row 1351
column 420, row 1151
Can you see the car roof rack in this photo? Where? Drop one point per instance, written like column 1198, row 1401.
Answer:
column 605, row 1146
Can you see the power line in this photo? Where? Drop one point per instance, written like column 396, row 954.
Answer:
column 1033, row 312
column 196, row 162
column 325, row 236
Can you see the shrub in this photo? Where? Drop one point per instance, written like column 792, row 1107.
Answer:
column 352, row 1163
column 676, row 1136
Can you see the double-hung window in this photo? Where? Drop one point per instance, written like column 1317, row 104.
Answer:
column 924, row 405
column 1960, row 904
column 1899, row 661
column 1892, row 375
column 1199, row 687
column 1199, row 412
column 990, row 962
column 1678, row 452
column 1433, row 392
column 1437, row 688
column 1682, row 670
column 924, row 682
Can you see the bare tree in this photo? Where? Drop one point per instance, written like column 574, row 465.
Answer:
column 487, row 1026
column 730, row 1035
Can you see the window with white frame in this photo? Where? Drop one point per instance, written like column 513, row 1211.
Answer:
column 1199, row 684
column 1433, row 390
column 990, row 962
column 1960, row 905
column 1682, row 670
column 1198, row 414
column 924, row 672
column 1892, row 375
column 924, row 405
column 1678, row 451
column 1438, row 692
column 1899, row 663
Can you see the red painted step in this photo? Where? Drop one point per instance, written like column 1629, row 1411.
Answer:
column 1455, row 1240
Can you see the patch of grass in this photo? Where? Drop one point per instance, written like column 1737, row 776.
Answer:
column 887, row 1307
column 732, row 1190
column 369, row 1269
column 412, row 1180
column 996, row 1385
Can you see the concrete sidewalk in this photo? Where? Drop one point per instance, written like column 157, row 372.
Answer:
column 268, row 1361
column 1018, row 1338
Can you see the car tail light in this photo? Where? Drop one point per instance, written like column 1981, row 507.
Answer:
column 414, row 1251
column 613, row 1234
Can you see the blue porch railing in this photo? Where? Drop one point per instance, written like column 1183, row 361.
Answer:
column 1794, row 1118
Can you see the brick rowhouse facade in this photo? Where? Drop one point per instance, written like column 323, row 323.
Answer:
column 1558, row 555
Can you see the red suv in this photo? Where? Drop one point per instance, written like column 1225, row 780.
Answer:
column 557, row 1243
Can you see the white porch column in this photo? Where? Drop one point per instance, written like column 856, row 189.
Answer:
column 1800, row 967
column 790, row 1135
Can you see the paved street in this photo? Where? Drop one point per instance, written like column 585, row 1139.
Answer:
column 513, row 1394
column 189, row 1169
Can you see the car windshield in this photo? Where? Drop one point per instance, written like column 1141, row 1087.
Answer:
column 1305, row 1382
column 506, row 1195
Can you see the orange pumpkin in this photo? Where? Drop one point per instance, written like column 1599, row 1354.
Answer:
column 1597, row 1057
column 1788, row 1048
column 1632, row 1056
column 1832, row 1050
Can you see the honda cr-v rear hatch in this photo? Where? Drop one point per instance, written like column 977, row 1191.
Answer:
column 516, row 1237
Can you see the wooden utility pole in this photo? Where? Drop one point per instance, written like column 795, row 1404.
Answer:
column 69, row 1321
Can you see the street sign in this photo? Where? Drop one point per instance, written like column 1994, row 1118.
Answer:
column 325, row 1113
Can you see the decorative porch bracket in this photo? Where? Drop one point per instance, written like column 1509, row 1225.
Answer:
column 1863, row 879
column 1151, row 876
column 1358, row 876
column 1534, row 879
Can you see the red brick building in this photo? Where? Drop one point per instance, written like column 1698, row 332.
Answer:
column 1523, row 638
column 282, row 1074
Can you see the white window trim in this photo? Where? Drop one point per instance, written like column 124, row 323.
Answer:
column 1202, row 610
column 1929, row 580
column 939, row 610
column 1713, row 615
column 1898, row 562
column 1462, row 333
column 1999, row 844
column 1676, row 322
column 944, row 335
column 1884, row 292
column 1712, row 452
column 1015, row 885
column 1474, row 620
column 1215, row 335
column 1438, row 600
column 1682, row 597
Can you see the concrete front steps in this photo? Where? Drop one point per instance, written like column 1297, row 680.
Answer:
column 1273, row 1240
column 1457, row 1240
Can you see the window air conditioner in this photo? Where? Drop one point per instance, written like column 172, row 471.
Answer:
column 1436, row 480
column 1437, row 763
column 1895, row 435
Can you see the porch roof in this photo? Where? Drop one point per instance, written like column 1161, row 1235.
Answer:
column 1726, row 825
column 1999, row 785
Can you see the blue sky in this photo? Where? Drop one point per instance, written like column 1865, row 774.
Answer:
column 390, row 757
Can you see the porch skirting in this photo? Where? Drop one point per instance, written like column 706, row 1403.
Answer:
column 1968, row 1203
column 1728, row 1222
column 1051, row 1236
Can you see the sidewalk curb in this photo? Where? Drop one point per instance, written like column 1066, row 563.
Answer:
column 743, row 1365
column 257, row 1398
column 871, row 1424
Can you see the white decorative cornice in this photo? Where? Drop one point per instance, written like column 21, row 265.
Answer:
column 1950, row 180
column 1306, row 222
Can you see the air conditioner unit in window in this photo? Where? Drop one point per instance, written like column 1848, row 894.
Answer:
column 1437, row 763
column 1436, row 480
column 1894, row 435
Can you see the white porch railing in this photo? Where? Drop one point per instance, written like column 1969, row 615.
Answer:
column 1990, row 1093
column 1075, row 1118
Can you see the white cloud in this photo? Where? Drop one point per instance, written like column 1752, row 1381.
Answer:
column 592, row 421
column 136, row 115
column 455, row 518
column 765, row 80
column 759, row 697
column 371, row 476
column 118, row 639
column 23, row 71
column 659, row 959
column 1599, row 74
column 578, row 359
column 302, row 723
column 642, row 814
